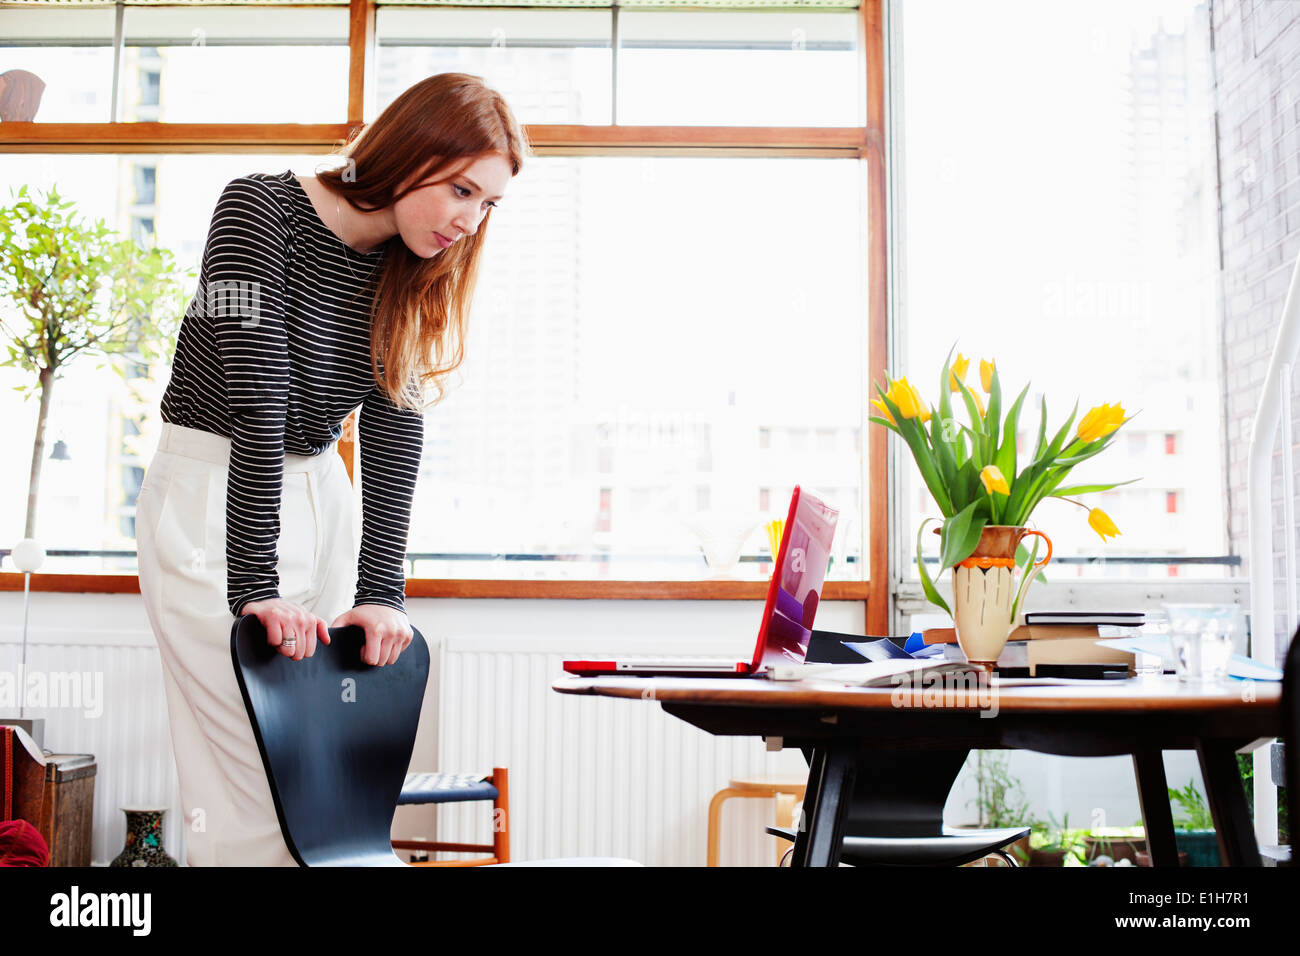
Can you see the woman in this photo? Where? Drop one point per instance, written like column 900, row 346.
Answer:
column 316, row 295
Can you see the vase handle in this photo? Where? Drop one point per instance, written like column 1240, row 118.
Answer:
column 1049, row 547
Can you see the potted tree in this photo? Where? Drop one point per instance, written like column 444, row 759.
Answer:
column 69, row 288
column 77, row 289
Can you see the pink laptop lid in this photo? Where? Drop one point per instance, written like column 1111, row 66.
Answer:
column 795, row 589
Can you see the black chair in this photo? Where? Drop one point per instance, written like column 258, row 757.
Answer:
column 896, row 814
column 336, row 737
column 1291, row 745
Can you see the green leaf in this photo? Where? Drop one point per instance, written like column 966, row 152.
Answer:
column 1054, row 448
column 945, row 402
column 1041, row 445
column 944, row 454
column 1088, row 489
column 931, row 592
column 915, row 436
column 961, row 533
column 1026, row 576
column 992, row 420
column 1022, row 552
column 1005, row 458
column 979, row 435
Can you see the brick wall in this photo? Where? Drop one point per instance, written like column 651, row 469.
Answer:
column 1257, row 66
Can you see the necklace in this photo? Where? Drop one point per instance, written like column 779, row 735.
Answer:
column 347, row 258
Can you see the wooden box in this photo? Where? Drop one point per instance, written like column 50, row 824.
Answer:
column 69, row 807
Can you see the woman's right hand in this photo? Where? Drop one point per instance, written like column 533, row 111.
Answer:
column 290, row 627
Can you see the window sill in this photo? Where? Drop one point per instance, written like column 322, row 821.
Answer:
column 473, row 588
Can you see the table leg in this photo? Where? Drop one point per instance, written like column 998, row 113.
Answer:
column 1227, row 799
column 825, row 806
column 1153, row 796
column 811, row 794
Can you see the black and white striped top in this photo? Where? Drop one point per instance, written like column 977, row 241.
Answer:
column 274, row 353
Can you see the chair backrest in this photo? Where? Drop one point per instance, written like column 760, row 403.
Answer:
column 336, row 737
column 1291, row 730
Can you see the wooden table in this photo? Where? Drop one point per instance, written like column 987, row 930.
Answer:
column 1141, row 717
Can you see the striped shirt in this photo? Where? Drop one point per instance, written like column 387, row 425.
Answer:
column 274, row 353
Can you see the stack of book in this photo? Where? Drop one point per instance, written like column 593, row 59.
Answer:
column 1057, row 644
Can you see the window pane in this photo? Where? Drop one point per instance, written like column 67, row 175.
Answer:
column 637, row 385
column 71, row 52
column 235, row 64
column 109, row 426
column 654, row 343
column 552, row 66
column 1067, row 227
column 739, row 68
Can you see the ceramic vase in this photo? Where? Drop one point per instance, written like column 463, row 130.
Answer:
column 144, row 845
column 984, row 590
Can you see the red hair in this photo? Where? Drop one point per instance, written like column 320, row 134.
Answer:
column 421, row 306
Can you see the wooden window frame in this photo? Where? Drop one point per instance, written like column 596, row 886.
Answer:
column 866, row 142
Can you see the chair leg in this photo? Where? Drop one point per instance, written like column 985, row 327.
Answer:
column 501, row 815
column 715, row 823
column 784, row 818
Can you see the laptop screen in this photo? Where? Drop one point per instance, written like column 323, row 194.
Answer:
column 795, row 589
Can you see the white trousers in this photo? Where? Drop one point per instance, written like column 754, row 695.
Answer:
column 181, row 540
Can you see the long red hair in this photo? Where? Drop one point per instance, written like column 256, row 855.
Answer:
column 421, row 306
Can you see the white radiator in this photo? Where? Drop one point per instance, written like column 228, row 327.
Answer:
column 588, row 775
column 106, row 698
column 592, row 776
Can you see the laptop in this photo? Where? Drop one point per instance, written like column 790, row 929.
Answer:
column 792, row 598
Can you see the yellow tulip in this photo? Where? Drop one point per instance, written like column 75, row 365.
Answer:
column 903, row 394
column 979, row 403
column 884, row 410
column 993, row 480
column 1101, row 523
column 922, row 409
column 986, row 374
column 1100, row 422
column 958, row 373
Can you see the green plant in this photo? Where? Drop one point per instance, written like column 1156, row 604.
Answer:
column 1104, row 839
column 79, row 288
column 1056, row 836
column 1246, row 764
column 999, row 801
column 1193, row 805
column 970, row 470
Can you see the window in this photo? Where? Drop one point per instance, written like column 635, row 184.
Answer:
column 1137, row 264
column 585, row 363
column 109, row 424
column 145, row 182
column 578, row 218
column 603, row 516
column 197, row 64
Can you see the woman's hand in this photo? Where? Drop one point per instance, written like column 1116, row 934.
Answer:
column 388, row 632
column 290, row 627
